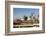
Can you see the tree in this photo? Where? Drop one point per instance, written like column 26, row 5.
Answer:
column 32, row 18
column 25, row 18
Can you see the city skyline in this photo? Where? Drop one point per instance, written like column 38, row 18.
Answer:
column 20, row 12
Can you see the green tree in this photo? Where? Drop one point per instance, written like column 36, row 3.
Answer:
column 25, row 18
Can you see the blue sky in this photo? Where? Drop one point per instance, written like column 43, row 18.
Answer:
column 20, row 12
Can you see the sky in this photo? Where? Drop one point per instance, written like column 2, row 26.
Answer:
column 20, row 12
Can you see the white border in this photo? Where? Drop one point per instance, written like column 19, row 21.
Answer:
column 25, row 29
